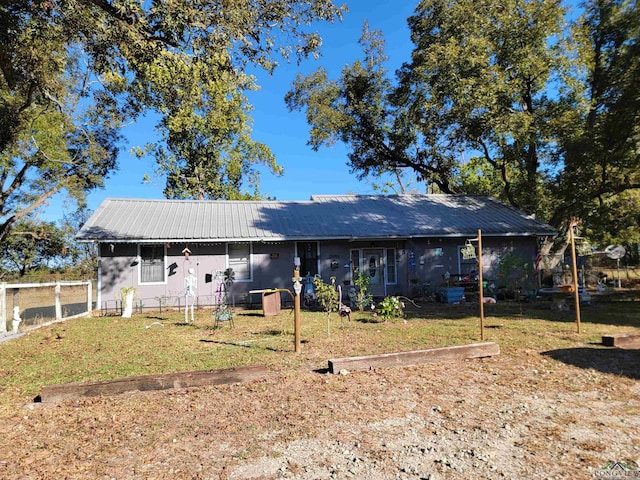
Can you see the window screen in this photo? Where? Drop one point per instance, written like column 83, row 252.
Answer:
column 240, row 260
column 152, row 263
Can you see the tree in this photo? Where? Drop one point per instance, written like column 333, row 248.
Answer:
column 546, row 114
column 601, row 148
column 476, row 83
column 81, row 258
column 51, row 139
column 71, row 72
column 31, row 245
column 357, row 110
column 207, row 150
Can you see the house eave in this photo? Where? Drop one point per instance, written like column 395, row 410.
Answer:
column 349, row 238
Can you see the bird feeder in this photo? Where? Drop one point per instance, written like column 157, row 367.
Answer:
column 468, row 251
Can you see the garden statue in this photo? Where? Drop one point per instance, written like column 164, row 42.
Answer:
column 16, row 319
column 190, row 287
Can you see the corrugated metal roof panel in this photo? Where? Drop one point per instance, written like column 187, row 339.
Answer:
column 343, row 216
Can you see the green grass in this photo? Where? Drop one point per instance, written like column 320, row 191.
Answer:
column 102, row 348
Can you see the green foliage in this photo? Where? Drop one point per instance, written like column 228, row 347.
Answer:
column 362, row 297
column 327, row 294
column 390, row 307
column 600, row 145
column 549, row 113
column 73, row 72
column 356, row 110
column 31, row 245
column 516, row 273
column 207, row 151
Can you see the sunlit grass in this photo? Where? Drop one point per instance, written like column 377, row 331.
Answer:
column 102, row 348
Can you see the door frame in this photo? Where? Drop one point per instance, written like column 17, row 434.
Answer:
column 379, row 289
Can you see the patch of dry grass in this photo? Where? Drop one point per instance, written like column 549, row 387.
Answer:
column 102, row 348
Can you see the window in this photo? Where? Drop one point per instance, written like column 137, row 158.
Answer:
column 391, row 265
column 308, row 253
column 239, row 259
column 152, row 263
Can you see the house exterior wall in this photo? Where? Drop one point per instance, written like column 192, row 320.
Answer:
column 417, row 262
column 429, row 260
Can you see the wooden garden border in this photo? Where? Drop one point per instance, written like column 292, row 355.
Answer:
column 622, row 340
column 57, row 393
column 401, row 359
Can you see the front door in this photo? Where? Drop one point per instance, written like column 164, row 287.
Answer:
column 373, row 266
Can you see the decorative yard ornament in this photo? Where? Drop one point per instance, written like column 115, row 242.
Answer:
column 616, row 252
column 468, row 251
column 190, row 288
column 223, row 308
column 229, row 277
column 16, row 318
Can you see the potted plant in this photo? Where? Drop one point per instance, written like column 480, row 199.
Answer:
column 128, row 296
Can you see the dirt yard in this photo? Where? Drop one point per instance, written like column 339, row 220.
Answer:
column 562, row 414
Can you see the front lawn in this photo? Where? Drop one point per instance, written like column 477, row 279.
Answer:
column 101, row 348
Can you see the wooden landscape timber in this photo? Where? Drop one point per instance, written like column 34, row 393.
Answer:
column 622, row 340
column 403, row 359
column 57, row 393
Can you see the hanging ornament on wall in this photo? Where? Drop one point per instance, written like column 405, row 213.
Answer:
column 468, row 251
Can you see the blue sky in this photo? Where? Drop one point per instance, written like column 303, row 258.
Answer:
column 305, row 172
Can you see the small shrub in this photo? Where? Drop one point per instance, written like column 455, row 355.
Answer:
column 327, row 294
column 516, row 273
column 361, row 297
column 390, row 307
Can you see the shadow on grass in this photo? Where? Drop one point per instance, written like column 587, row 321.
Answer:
column 369, row 319
column 243, row 344
column 250, row 314
column 272, row 332
column 615, row 361
column 618, row 313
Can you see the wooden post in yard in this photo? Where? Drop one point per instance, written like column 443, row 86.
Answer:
column 3, row 307
column 574, row 222
column 481, row 297
column 297, row 289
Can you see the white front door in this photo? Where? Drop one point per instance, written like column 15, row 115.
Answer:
column 373, row 266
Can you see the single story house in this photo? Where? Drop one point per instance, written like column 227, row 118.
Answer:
column 399, row 241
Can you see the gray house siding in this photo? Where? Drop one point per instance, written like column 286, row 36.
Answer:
column 403, row 266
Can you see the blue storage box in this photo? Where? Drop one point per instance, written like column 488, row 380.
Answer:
column 451, row 294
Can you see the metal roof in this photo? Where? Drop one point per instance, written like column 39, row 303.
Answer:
column 323, row 217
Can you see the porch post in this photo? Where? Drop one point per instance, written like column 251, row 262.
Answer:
column 58, row 302
column 3, row 308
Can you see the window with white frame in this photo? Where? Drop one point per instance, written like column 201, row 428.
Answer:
column 239, row 259
column 152, row 263
column 391, row 266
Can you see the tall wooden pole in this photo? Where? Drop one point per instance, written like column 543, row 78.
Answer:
column 296, row 308
column 576, row 294
column 480, row 285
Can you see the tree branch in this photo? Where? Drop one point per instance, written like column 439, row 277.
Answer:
column 110, row 10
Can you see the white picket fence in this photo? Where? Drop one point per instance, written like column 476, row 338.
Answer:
column 43, row 303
